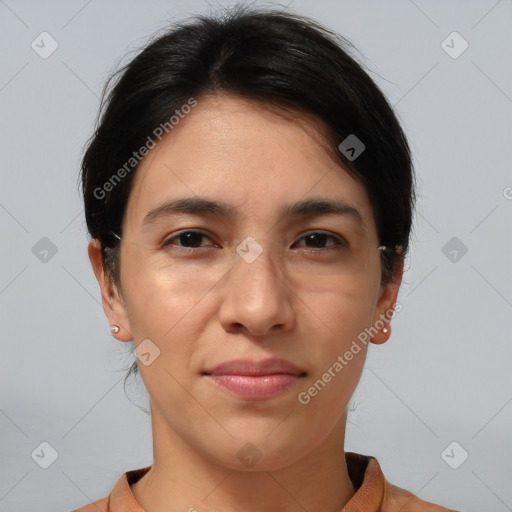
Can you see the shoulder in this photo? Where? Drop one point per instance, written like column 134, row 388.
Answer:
column 121, row 498
column 98, row 506
column 396, row 498
column 374, row 493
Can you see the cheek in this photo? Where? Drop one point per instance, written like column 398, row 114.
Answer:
column 342, row 311
column 159, row 300
column 341, row 351
column 343, row 307
column 162, row 310
column 334, row 315
column 170, row 307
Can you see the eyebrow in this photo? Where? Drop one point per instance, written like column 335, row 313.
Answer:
column 206, row 206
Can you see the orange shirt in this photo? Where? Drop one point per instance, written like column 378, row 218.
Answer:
column 373, row 492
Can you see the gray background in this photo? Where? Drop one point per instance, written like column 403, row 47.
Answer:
column 444, row 375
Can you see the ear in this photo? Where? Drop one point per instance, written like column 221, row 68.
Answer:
column 386, row 304
column 111, row 298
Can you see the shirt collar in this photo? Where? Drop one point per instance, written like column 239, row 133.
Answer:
column 364, row 471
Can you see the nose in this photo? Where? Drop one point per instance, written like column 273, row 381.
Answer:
column 256, row 298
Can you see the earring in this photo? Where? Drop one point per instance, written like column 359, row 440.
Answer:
column 385, row 330
column 115, row 328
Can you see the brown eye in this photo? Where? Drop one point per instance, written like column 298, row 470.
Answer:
column 187, row 239
column 318, row 238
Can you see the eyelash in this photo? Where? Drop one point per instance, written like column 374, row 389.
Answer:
column 340, row 242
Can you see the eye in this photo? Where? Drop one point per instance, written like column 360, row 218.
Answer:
column 319, row 238
column 190, row 239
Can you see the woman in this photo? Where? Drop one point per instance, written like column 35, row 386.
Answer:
column 249, row 194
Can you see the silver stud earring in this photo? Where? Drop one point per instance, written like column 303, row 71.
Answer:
column 115, row 328
column 385, row 330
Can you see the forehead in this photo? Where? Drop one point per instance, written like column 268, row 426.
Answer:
column 254, row 157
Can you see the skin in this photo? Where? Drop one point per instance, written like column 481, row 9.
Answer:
column 210, row 306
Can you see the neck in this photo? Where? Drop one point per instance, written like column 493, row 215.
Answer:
column 182, row 479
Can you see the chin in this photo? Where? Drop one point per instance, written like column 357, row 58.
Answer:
column 259, row 452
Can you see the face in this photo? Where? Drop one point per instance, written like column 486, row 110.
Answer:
column 204, row 285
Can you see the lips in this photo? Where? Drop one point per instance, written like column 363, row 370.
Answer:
column 249, row 367
column 255, row 380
